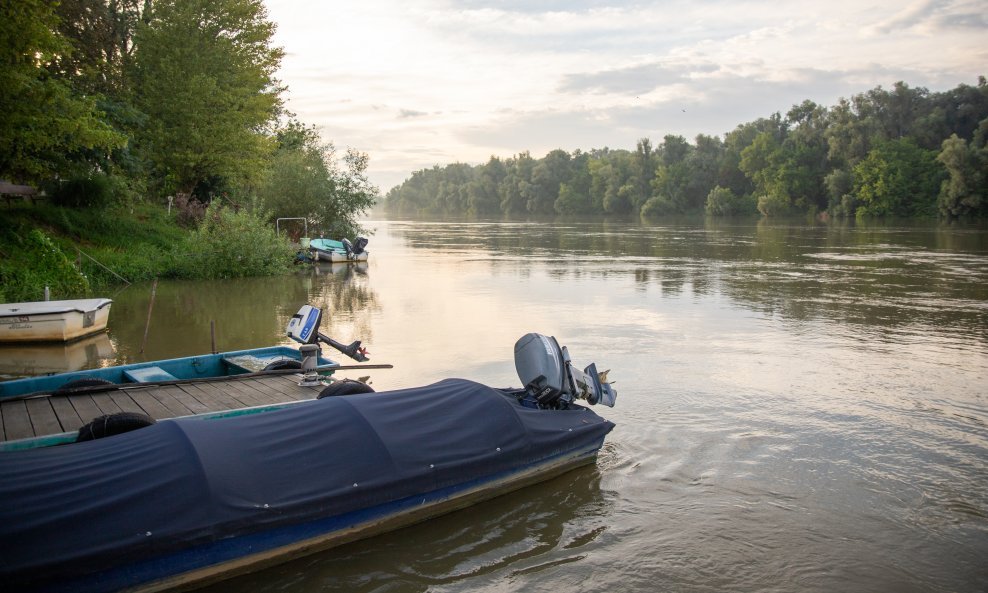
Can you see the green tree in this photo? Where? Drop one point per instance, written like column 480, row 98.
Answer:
column 965, row 190
column 574, row 194
column 721, row 201
column 308, row 179
column 44, row 124
column 204, row 75
column 547, row 175
column 102, row 36
column 482, row 193
column 898, row 178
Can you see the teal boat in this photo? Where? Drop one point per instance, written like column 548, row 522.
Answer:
column 330, row 251
column 188, row 368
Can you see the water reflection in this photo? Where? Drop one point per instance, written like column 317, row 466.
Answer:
column 934, row 276
column 184, row 316
column 25, row 360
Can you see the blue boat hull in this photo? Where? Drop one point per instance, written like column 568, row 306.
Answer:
column 203, row 366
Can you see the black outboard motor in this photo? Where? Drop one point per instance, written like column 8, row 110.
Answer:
column 549, row 377
column 355, row 248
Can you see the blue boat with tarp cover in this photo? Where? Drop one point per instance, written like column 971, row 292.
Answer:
column 185, row 502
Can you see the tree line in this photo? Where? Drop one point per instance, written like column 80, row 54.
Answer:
column 897, row 152
column 111, row 101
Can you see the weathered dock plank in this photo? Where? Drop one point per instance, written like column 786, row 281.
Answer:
column 16, row 422
column 85, row 407
column 43, row 419
column 65, row 413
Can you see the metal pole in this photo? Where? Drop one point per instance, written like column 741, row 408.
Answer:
column 212, row 334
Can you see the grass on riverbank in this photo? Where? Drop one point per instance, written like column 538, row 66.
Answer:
column 44, row 245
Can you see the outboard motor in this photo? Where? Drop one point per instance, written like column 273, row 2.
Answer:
column 303, row 327
column 549, row 377
column 359, row 244
column 348, row 246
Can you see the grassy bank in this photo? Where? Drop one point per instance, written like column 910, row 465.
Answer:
column 81, row 252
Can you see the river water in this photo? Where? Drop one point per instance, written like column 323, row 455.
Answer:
column 800, row 407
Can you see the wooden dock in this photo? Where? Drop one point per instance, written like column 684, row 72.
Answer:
column 48, row 415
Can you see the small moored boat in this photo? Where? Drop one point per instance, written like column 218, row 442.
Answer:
column 328, row 250
column 53, row 321
column 186, row 501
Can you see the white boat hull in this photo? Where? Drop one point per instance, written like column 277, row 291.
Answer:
column 337, row 258
column 53, row 321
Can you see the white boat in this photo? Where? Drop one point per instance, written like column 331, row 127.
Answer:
column 53, row 321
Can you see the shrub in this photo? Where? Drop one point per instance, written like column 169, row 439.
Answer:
column 37, row 264
column 93, row 191
column 721, row 201
column 231, row 244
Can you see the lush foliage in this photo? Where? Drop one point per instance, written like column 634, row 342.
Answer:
column 45, row 126
column 38, row 263
column 110, row 103
column 307, row 180
column 231, row 244
column 203, row 75
column 898, row 152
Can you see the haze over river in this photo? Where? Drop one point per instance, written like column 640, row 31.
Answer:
column 800, row 407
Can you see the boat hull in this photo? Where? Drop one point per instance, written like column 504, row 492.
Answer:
column 251, row 554
column 189, row 501
column 321, row 255
column 53, row 321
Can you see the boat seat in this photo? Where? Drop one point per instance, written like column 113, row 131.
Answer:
column 149, row 375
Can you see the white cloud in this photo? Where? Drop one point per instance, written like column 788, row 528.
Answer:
column 424, row 82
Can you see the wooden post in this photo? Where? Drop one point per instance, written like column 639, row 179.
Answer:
column 154, row 288
column 212, row 334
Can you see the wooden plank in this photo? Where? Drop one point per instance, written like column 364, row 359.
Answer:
column 188, row 400
column 67, row 416
column 85, row 407
column 214, row 399
column 105, row 403
column 16, row 423
column 151, row 406
column 168, row 400
column 287, row 386
column 243, row 393
column 125, row 402
column 43, row 417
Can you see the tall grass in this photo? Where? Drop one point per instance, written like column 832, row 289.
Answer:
column 47, row 245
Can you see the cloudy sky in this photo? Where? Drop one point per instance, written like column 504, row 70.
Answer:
column 415, row 83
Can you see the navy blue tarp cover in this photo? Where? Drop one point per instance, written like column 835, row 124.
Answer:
column 78, row 509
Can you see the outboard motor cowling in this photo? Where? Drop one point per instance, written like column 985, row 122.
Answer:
column 548, row 374
column 359, row 244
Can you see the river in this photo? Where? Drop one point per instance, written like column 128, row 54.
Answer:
column 800, row 407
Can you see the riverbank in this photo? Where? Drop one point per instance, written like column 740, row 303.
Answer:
column 76, row 252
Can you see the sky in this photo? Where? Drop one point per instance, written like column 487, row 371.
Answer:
column 418, row 83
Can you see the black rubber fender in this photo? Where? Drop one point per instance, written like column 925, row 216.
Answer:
column 345, row 387
column 77, row 385
column 280, row 365
column 111, row 424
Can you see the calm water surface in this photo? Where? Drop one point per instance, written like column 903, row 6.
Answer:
column 800, row 408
